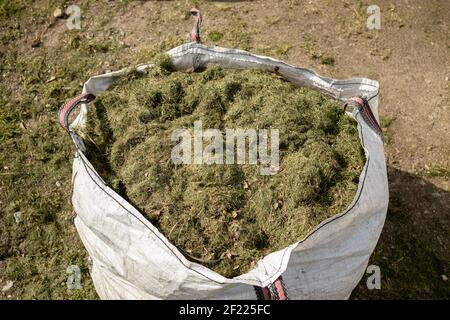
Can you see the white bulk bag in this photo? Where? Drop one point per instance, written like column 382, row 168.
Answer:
column 131, row 259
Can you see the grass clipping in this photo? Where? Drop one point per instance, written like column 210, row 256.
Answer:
column 225, row 217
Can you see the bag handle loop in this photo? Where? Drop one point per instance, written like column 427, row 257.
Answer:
column 195, row 33
column 69, row 106
column 275, row 291
column 362, row 105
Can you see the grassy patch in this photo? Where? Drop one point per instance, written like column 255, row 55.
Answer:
column 282, row 49
column 327, row 61
column 310, row 48
column 437, row 170
column 215, row 36
column 386, row 123
column 10, row 9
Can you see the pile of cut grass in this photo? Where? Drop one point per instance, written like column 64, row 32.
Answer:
column 225, row 216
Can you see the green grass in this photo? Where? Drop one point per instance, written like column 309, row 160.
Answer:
column 205, row 210
column 282, row 49
column 386, row 123
column 310, row 48
column 327, row 61
column 437, row 170
column 35, row 164
column 215, row 36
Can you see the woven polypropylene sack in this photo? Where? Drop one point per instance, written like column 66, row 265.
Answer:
column 131, row 259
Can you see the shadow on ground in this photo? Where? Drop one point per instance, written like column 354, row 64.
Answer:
column 412, row 252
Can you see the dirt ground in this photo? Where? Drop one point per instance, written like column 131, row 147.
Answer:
column 42, row 64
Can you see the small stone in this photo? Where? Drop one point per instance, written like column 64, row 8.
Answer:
column 278, row 204
column 52, row 78
column 156, row 213
column 436, row 194
column 58, row 13
column 444, row 277
column 36, row 43
column 229, row 254
column 23, row 246
column 18, row 216
column 9, row 284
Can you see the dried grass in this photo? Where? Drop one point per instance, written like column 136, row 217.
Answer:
column 225, row 216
